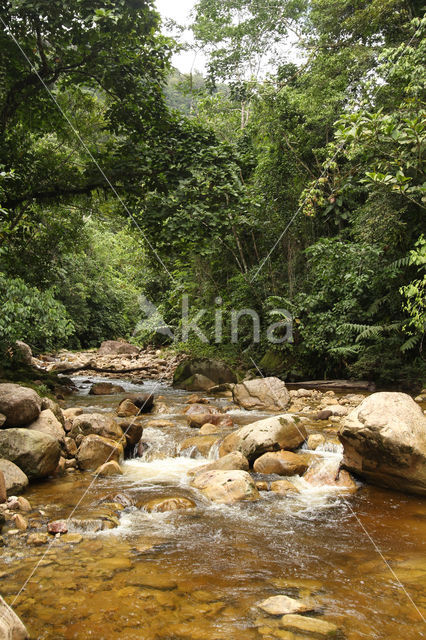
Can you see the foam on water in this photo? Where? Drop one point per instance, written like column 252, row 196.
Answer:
column 162, row 469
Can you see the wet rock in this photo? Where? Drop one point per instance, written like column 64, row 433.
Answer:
column 262, row 486
column 36, row 454
column 15, row 480
column 160, row 505
column 11, row 627
column 72, row 538
column 323, row 415
column 215, row 371
column 117, row 347
column 18, row 504
column 49, row 424
column 20, row 405
column 209, row 429
column 312, row 627
column 3, row 492
column 283, row 463
column 88, row 525
column 226, row 487
column 57, row 526
column 110, row 468
column 198, row 382
column 143, row 401
column 338, row 410
column 203, row 444
column 328, row 472
column 281, row 605
column 71, row 463
column 37, row 539
column 119, row 498
column 47, row 403
column 217, row 419
column 271, row 434
column 160, row 424
column 132, row 430
column 127, row 409
column 315, row 440
column 95, row 450
column 98, row 424
column 384, row 441
column 195, row 399
column 283, row 487
column 269, row 394
column 234, row 461
column 105, row 389
column 20, row 522
column 60, row 469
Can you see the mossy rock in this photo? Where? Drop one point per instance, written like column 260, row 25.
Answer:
column 215, row 370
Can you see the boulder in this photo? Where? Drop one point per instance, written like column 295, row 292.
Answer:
column 20, row 405
column 3, row 491
column 95, row 451
column 132, row 431
column 160, row 505
column 315, row 440
column 143, row 401
column 283, row 487
column 47, row 423
column 72, row 412
column 282, row 463
column 271, row 434
column 100, row 424
column 11, row 627
column 23, row 352
column 36, row 454
column 226, row 487
column 127, row 409
column 16, row 481
column 328, row 472
column 47, row 403
column 384, row 441
column 234, row 461
column 105, row 389
column 117, row 348
column 264, row 394
column 202, row 444
column 209, row 373
column 110, row 468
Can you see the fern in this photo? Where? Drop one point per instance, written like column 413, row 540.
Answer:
column 410, row 343
column 366, row 331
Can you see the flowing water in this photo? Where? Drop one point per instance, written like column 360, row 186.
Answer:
column 198, row 574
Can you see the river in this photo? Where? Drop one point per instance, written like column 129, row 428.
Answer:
column 199, row 574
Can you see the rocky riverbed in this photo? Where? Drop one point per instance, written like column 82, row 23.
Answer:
column 174, row 514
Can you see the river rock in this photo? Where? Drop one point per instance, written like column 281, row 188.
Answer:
column 271, row 434
column 282, row 463
column 384, row 441
column 226, row 487
column 20, row 405
column 95, row 451
column 160, row 505
column 96, row 423
column 143, row 401
column 3, row 492
column 57, row 526
column 37, row 539
column 36, row 454
column 198, row 374
column 70, row 447
column 72, row 412
column 110, row 468
column 20, row 522
column 198, row 420
column 48, row 403
column 11, row 627
column 283, row 487
column 203, row 444
column 328, row 472
column 117, row 347
column 49, row 424
column 312, row 627
column 127, row 409
column 24, row 353
column 315, row 440
column 105, row 389
column 281, row 605
column 265, row 394
column 132, row 431
column 234, row 461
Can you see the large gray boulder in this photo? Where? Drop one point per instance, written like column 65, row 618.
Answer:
column 11, row 627
column 264, row 394
column 48, row 423
column 36, row 454
column 271, row 434
column 201, row 374
column 98, row 424
column 384, row 441
column 16, row 481
column 20, row 405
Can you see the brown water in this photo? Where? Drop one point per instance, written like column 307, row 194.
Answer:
column 198, row 574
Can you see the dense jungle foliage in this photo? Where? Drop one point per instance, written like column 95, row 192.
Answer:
column 289, row 178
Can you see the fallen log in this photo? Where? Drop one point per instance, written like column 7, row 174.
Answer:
column 333, row 385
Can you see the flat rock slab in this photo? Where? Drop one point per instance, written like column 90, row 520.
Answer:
column 311, row 627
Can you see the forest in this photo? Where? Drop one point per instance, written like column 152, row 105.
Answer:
column 288, row 177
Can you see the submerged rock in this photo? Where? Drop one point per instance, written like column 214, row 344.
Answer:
column 312, row 627
column 384, row 441
column 11, row 627
column 268, row 394
column 226, row 487
column 281, row 605
column 36, row 454
column 283, row 487
column 160, row 505
column 19, row 405
column 110, row 468
column 271, row 434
